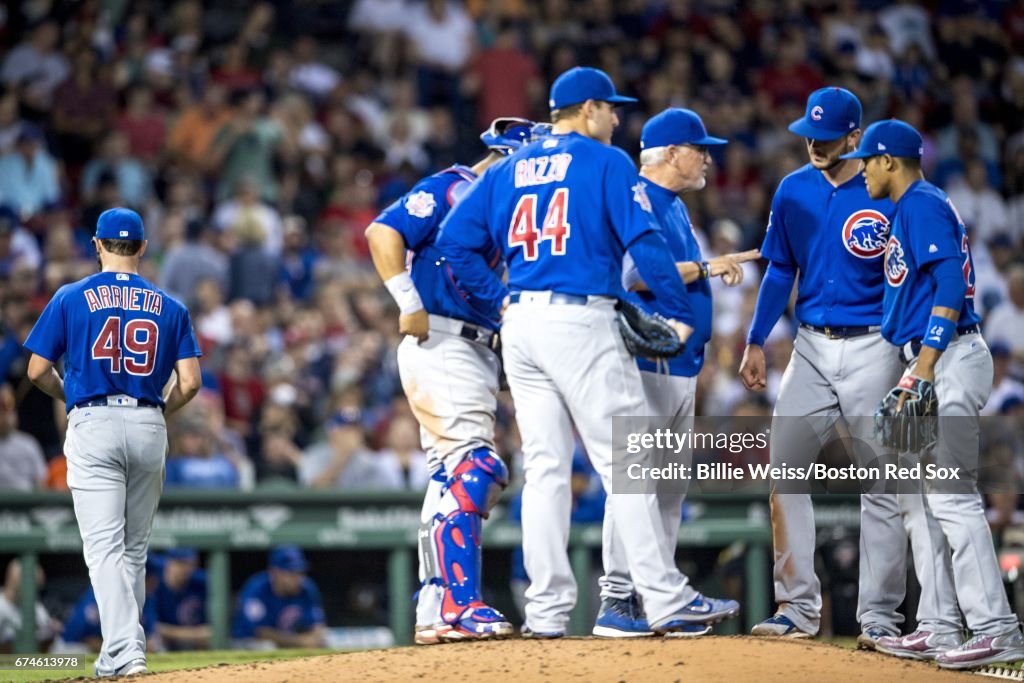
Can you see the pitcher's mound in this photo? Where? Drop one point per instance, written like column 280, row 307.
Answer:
column 734, row 659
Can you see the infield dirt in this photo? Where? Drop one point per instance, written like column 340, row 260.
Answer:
column 728, row 659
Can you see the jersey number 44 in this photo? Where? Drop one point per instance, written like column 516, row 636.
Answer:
column 523, row 228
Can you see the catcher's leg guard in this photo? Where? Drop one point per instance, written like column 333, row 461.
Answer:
column 470, row 493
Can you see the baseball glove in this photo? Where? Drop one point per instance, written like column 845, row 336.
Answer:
column 647, row 335
column 914, row 427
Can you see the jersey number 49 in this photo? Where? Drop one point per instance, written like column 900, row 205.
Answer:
column 135, row 352
column 523, row 229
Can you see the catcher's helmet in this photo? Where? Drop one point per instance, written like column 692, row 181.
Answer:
column 507, row 134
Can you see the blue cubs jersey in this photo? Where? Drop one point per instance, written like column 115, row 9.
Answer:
column 185, row 607
column 836, row 236
column 118, row 334
column 259, row 606
column 926, row 229
column 538, row 206
column 417, row 216
column 84, row 621
column 674, row 219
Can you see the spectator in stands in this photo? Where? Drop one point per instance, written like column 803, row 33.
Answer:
column 144, row 125
column 1005, row 323
column 134, row 184
column 502, row 63
column 18, row 248
column 298, row 259
column 440, row 34
column 36, row 66
column 245, row 148
column 22, row 465
column 251, row 265
column 10, row 121
column 84, row 109
column 280, row 607
column 194, row 260
column 180, row 602
column 28, row 175
column 47, row 627
column 979, row 205
column 246, row 211
column 191, row 138
column 195, row 461
column 402, row 457
column 344, row 462
column 309, row 74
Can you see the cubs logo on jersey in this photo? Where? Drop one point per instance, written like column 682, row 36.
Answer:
column 895, row 264
column 865, row 233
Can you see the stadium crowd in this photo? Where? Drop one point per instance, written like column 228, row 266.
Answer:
column 258, row 140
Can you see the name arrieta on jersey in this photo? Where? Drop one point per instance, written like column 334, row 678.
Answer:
column 124, row 297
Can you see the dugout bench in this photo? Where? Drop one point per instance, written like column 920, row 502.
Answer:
column 219, row 522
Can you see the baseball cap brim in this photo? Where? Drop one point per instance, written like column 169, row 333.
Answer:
column 859, row 154
column 709, row 140
column 620, row 99
column 805, row 130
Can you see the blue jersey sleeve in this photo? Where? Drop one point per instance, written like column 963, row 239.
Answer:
column 252, row 611
column 629, row 208
column 415, row 215
column 934, row 229
column 48, row 338
column 776, row 246
column 464, row 241
column 314, row 606
column 188, row 345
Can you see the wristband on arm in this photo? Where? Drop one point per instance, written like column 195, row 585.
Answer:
column 940, row 332
column 403, row 291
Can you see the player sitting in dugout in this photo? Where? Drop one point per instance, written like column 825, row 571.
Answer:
column 179, row 602
column 279, row 607
column 82, row 629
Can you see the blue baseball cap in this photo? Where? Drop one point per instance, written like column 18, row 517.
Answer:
column 831, row 114
column 289, row 558
column 183, row 554
column 583, row 83
column 120, row 224
column 676, row 127
column 892, row 137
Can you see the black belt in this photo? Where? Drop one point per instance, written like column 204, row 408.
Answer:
column 909, row 351
column 843, row 332
column 556, row 298
column 477, row 334
column 103, row 403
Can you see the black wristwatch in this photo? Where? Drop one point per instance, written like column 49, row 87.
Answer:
column 705, row 270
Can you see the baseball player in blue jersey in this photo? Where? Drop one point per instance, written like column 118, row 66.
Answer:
column 824, row 224
column 280, row 607
column 562, row 212
column 929, row 318
column 674, row 158
column 179, row 601
column 449, row 372
column 121, row 339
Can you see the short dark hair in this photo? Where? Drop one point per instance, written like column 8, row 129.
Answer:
column 122, row 247
column 568, row 112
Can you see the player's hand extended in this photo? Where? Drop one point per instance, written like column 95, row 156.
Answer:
column 728, row 268
column 752, row 368
column 682, row 329
column 415, row 324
